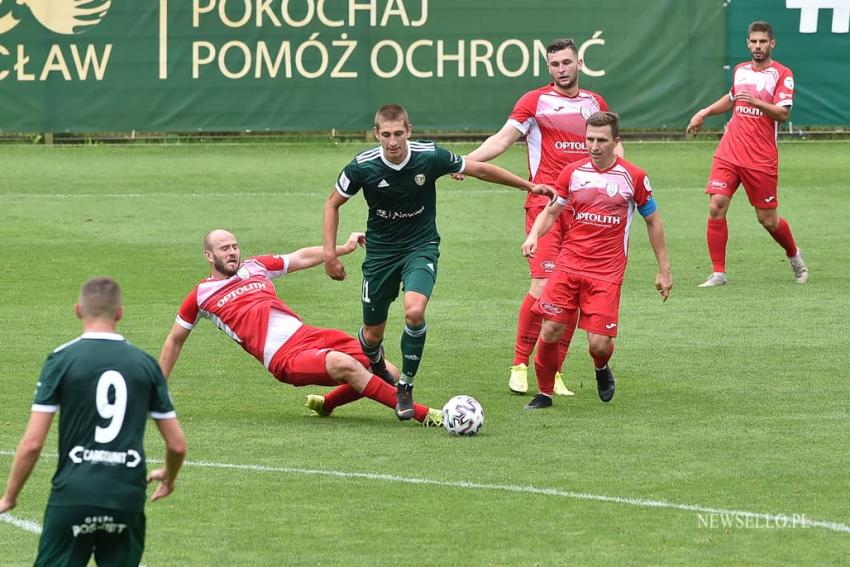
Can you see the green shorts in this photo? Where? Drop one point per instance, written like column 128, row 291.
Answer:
column 72, row 533
column 416, row 271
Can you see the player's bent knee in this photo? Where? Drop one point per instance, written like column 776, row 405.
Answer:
column 552, row 331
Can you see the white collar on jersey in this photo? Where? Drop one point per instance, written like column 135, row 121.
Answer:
column 397, row 166
column 102, row 335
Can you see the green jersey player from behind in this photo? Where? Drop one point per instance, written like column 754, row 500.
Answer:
column 402, row 243
column 106, row 388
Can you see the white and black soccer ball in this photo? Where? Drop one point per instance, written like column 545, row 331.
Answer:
column 463, row 415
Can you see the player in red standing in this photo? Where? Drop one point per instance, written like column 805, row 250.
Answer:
column 552, row 119
column 240, row 299
column 761, row 96
column 603, row 192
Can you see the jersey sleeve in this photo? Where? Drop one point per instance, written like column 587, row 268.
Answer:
column 161, row 406
column 643, row 190
column 277, row 265
column 603, row 106
column 188, row 314
column 349, row 181
column 523, row 114
column 447, row 161
column 47, row 388
column 784, row 93
column 562, row 185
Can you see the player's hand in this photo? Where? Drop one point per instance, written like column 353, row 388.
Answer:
column 541, row 189
column 355, row 239
column 749, row 98
column 334, row 268
column 458, row 176
column 529, row 247
column 695, row 124
column 164, row 488
column 664, row 283
column 7, row 504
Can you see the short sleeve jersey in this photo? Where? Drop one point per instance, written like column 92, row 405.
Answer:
column 241, row 306
column 554, row 127
column 104, row 389
column 402, row 198
column 750, row 138
column 603, row 204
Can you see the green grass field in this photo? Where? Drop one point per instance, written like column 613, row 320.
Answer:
column 729, row 399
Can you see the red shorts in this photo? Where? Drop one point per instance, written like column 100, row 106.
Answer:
column 542, row 265
column 301, row 360
column 597, row 301
column 761, row 187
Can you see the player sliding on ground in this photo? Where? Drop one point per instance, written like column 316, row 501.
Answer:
column 240, row 299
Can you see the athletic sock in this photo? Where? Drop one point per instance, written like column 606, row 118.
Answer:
column 600, row 363
column 412, row 345
column 381, row 392
column 339, row 396
column 783, row 236
column 717, row 235
column 527, row 330
column 546, row 365
column 372, row 352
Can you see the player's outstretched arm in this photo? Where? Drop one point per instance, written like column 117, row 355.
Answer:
column 721, row 105
column 495, row 174
column 304, row 258
column 175, row 454
column 172, row 347
column 496, row 145
column 330, row 227
column 541, row 226
column 26, row 456
column 655, row 229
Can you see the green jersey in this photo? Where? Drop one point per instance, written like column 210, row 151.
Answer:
column 402, row 198
column 106, row 389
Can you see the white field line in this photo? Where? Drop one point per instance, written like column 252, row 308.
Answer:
column 26, row 525
column 776, row 519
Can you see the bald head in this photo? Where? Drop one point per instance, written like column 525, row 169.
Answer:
column 222, row 252
column 213, row 237
column 100, row 298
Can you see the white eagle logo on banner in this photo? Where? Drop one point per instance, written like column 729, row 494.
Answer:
column 66, row 17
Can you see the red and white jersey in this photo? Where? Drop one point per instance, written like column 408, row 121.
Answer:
column 750, row 138
column 245, row 306
column 603, row 204
column 554, row 127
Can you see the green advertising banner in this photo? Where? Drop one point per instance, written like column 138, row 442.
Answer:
column 236, row 65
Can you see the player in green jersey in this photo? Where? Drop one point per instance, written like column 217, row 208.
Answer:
column 106, row 388
column 402, row 243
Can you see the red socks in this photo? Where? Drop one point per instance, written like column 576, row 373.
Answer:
column 546, row 365
column 339, row 396
column 378, row 390
column 783, row 236
column 717, row 234
column 527, row 330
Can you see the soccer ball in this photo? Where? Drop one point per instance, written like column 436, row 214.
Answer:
column 463, row 415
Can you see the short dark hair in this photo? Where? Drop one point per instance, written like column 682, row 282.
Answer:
column 100, row 298
column 561, row 44
column 606, row 118
column 760, row 26
column 391, row 112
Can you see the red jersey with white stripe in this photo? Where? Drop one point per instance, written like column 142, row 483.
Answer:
column 245, row 306
column 603, row 201
column 554, row 126
column 750, row 138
